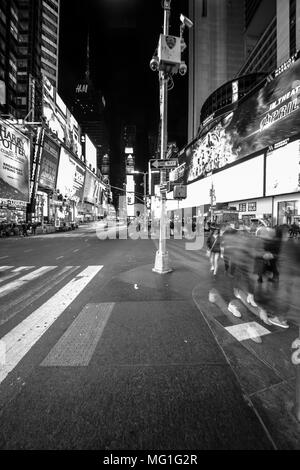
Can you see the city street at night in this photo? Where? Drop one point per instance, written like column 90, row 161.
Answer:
column 149, row 229
column 102, row 353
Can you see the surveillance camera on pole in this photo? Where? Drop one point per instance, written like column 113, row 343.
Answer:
column 182, row 68
column 186, row 21
column 154, row 63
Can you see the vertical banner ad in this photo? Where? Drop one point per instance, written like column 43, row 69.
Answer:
column 14, row 164
column 49, row 164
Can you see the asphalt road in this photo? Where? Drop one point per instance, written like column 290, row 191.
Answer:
column 99, row 352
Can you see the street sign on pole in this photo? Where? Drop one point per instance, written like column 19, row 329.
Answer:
column 164, row 164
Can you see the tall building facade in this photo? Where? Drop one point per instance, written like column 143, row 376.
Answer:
column 29, row 31
column 249, row 127
column 50, row 40
column 88, row 107
column 216, row 50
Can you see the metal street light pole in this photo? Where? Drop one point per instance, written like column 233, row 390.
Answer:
column 161, row 265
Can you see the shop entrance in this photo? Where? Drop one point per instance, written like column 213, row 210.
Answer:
column 287, row 212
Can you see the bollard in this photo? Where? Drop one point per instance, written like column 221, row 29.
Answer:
column 296, row 362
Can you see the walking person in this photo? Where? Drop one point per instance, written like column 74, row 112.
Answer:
column 228, row 243
column 214, row 249
column 24, row 228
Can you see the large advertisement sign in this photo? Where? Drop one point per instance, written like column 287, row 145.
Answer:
column 283, row 169
column 90, row 153
column 49, row 164
column 91, row 188
column 70, row 179
column 14, row 164
column 267, row 116
column 59, row 119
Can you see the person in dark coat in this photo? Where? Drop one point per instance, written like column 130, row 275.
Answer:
column 214, row 247
column 228, row 243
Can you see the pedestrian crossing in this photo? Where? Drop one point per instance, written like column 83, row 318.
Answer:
column 41, row 295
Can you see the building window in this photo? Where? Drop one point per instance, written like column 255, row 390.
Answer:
column 204, row 8
column 292, row 27
column 251, row 206
column 242, row 207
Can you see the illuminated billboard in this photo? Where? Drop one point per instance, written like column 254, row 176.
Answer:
column 265, row 117
column 283, row 169
column 59, row 119
column 70, row 178
column 49, row 164
column 244, row 181
column 91, row 188
column 14, row 164
column 90, row 153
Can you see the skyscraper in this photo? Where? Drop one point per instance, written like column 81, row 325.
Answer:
column 216, row 50
column 88, row 107
column 50, row 40
column 30, row 29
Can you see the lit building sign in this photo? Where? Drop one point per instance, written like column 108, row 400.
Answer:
column 14, row 164
column 128, row 150
column 267, row 116
column 283, row 169
column 49, row 164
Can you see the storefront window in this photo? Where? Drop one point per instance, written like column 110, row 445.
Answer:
column 287, row 211
column 251, row 206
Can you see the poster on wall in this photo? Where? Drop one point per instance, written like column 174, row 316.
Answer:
column 265, row 117
column 91, row 188
column 49, row 164
column 70, row 179
column 283, row 169
column 14, row 164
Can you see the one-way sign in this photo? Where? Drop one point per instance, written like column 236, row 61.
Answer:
column 164, row 163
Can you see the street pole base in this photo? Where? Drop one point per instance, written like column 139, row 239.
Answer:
column 162, row 263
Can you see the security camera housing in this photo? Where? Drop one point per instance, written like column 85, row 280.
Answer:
column 186, row 21
column 154, row 64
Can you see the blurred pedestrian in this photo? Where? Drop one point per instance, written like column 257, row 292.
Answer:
column 243, row 256
column 214, row 249
column 228, row 241
column 24, row 229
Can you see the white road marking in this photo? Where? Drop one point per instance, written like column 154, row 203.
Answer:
column 77, row 345
column 247, row 330
column 2, row 257
column 74, row 251
column 59, row 257
column 21, row 268
column 15, row 272
column 27, row 251
column 5, row 268
column 24, row 336
column 11, row 286
column 23, row 301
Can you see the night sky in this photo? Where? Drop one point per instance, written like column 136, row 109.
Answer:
column 123, row 37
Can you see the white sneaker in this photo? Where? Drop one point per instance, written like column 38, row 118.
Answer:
column 233, row 309
column 236, row 294
column 250, row 300
column 277, row 322
column 264, row 317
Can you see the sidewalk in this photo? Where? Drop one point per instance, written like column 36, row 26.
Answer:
column 262, row 371
column 262, row 363
column 183, row 372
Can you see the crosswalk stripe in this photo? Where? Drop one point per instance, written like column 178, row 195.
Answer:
column 17, row 305
column 24, row 336
column 11, row 286
column 5, row 268
column 14, row 273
